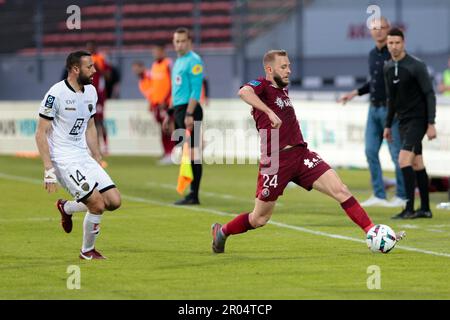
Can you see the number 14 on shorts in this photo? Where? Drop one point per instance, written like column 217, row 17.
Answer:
column 79, row 178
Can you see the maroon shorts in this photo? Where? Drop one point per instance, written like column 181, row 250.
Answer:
column 297, row 164
column 158, row 112
column 99, row 113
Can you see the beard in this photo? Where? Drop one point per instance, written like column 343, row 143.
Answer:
column 280, row 83
column 84, row 80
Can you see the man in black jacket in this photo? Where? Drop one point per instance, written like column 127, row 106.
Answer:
column 376, row 120
column 411, row 97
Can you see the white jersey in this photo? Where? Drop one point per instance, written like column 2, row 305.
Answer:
column 70, row 112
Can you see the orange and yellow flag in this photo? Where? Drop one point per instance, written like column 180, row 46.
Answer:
column 185, row 176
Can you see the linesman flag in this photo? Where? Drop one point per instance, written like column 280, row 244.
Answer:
column 185, row 176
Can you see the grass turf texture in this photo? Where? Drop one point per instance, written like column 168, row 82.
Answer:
column 158, row 251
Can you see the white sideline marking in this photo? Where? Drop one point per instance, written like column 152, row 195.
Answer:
column 221, row 213
column 206, row 193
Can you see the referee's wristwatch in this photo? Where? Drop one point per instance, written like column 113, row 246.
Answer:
column 189, row 114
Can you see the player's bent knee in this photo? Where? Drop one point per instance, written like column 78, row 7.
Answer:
column 114, row 204
column 112, row 199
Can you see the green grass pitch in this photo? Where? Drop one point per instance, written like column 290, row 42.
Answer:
column 158, row 251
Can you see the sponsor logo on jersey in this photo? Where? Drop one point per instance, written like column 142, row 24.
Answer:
column 49, row 102
column 279, row 102
column 265, row 192
column 197, row 69
column 77, row 127
column 70, row 101
column 70, row 109
column 283, row 103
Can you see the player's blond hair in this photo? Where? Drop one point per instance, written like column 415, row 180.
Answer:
column 270, row 55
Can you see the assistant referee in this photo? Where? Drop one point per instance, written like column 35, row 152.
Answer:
column 187, row 79
column 411, row 96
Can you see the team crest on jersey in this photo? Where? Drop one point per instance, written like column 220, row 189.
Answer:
column 49, row 102
column 90, row 107
column 197, row 69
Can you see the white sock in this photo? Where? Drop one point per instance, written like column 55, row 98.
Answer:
column 70, row 207
column 91, row 229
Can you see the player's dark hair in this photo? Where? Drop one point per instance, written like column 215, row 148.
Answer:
column 159, row 45
column 396, row 32
column 271, row 54
column 74, row 59
column 184, row 30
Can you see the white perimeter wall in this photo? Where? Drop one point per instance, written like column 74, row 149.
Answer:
column 334, row 131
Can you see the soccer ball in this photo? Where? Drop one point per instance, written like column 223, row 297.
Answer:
column 381, row 238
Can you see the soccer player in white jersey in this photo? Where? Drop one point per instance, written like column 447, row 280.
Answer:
column 65, row 134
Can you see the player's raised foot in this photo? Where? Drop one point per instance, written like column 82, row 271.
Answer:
column 218, row 242
column 422, row 214
column 91, row 255
column 403, row 215
column 188, row 200
column 66, row 219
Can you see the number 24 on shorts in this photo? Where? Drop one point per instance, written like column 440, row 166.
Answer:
column 270, row 182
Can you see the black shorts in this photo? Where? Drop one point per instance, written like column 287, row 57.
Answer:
column 180, row 114
column 412, row 132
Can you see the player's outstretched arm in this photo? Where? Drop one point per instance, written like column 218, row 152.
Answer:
column 44, row 127
column 248, row 95
column 92, row 140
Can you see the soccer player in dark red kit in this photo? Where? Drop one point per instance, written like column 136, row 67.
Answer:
column 285, row 155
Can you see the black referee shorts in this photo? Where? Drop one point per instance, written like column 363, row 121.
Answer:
column 180, row 114
column 412, row 132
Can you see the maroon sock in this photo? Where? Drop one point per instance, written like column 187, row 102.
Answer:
column 357, row 213
column 240, row 224
column 167, row 143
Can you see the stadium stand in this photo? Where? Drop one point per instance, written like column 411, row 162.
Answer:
column 141, row 23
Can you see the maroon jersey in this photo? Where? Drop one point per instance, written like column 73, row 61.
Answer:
column 278, row 101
